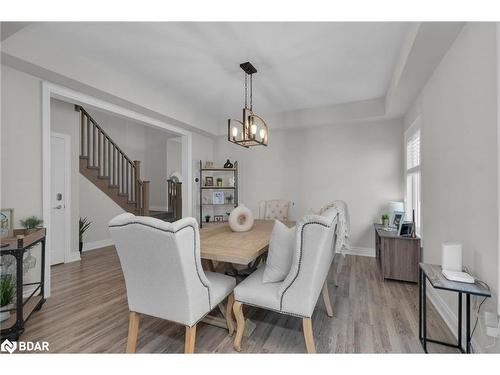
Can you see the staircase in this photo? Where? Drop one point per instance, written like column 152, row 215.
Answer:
column 104, row 164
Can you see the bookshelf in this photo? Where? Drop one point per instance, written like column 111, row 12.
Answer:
column 208, row 200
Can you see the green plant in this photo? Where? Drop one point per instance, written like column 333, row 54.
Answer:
column 7, row 290
column 84, row 225
column 31, row 222
column 385, row 217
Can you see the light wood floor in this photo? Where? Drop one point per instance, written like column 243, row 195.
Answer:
column 88, row 313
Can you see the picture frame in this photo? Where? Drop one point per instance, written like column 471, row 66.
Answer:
column 218, row 197
column 218, row 218
column 209, row 181
column 406, row 229
column 398, row 219
column 6, row 222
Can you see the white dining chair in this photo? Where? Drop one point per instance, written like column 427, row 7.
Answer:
column 163, row 274
column 274, row 209
column 298, row 293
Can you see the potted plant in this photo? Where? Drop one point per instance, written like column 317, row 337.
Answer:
column 229, row 199
column 385, row 220
column 84, row 225
column 7, row 293
column 207, row 218
column 31, row 224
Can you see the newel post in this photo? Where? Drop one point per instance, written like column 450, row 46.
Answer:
column 145, row 196
column 137, row 186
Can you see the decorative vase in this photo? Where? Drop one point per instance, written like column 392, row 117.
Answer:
column 207, row 219
column 4, row 315
column 80, row 247
column 219, row 182
column 385, row 223
column 228, row 164
column 241, row 219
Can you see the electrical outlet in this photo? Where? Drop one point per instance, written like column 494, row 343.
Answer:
column 490, row 319
column 493, row 331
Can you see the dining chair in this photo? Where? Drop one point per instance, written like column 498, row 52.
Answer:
column 163, row 274
column 274, row 209
column 298, row 293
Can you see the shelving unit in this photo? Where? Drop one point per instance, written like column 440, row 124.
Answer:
column 217, row 173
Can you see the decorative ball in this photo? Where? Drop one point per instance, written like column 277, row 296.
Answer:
column 241, row 219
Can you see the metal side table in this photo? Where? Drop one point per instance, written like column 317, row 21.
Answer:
column 438, row 281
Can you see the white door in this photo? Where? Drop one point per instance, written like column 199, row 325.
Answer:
column 58, row 199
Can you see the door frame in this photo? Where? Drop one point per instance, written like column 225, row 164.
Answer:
column 68, row 256
column 49, row 91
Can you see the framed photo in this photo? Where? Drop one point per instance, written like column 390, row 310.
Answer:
column 6, row 222
column 219, row 218
column 218, row 197
column 398, row 218
column 209, row 181
column 406, row 229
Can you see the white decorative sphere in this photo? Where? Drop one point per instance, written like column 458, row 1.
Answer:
column 241, row 219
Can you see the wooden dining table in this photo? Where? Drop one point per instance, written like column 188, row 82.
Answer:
column 222, row 248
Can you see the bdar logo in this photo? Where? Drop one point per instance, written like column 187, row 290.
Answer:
column 8, row 346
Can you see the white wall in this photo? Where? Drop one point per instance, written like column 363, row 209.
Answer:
column 99, row 209
column 459, row 161
column 359, row 163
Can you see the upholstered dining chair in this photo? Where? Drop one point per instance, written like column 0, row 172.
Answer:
column 274, row 209
column 163, row 274
column 298, row 293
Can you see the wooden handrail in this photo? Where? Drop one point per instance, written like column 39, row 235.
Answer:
column 103, row 154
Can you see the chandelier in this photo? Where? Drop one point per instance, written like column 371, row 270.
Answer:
column 252, row 131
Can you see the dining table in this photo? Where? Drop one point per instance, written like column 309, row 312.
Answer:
column 222, row 249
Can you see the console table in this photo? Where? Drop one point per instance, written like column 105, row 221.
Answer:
column 397, row 256
column 13, row 327
column 433, row 273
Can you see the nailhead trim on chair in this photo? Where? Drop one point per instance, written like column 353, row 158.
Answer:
column 268, row 308
column 300, row 258
column 171, row 231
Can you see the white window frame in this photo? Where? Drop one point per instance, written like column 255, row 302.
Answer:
column 409, row 133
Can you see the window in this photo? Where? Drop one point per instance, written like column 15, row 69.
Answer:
column 413, row 176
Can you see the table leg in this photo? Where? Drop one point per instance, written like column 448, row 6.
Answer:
column 420, row 304
column 19, row 292
column 460, row 320
column 467, row 331
column 424, row 313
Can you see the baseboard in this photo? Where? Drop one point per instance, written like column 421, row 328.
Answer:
column 157, row 208
column 97, row 244
column 449, row 316
column 361, row 251
column 74, row 257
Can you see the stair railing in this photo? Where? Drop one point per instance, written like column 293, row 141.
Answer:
column 104, row 155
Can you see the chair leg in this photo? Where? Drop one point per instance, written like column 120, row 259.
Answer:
column 326, row 299
column 229, row 314
column 240, row 321
column 308, row 335
column 190, row 339
column 133, row 329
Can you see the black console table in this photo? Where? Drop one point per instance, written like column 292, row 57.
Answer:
column 14, row 326
column 438, row 281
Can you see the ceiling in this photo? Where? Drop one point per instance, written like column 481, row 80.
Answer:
column 300, row 65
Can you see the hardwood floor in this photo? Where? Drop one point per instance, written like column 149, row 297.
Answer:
column 88, row 313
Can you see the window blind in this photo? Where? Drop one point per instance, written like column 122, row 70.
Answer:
column 413, row 151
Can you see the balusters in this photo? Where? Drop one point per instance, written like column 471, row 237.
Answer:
column 88, row 138
column 82, row 138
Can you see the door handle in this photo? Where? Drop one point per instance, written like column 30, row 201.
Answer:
column 58, row 207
